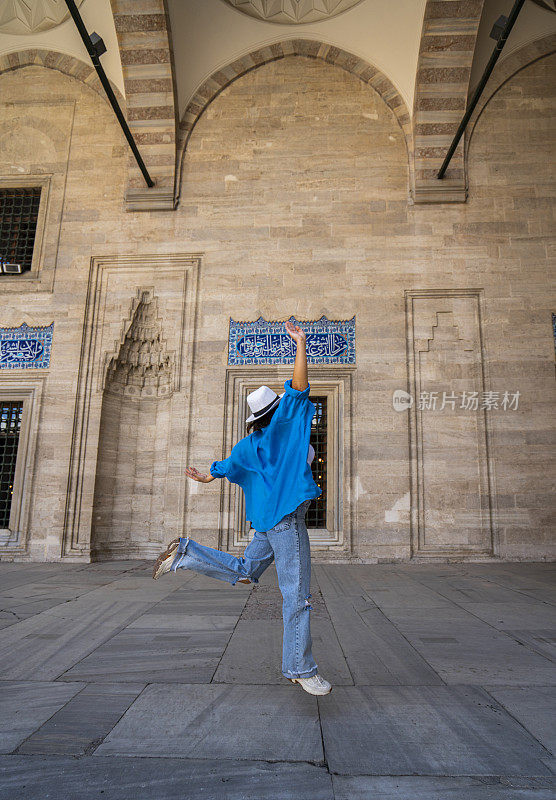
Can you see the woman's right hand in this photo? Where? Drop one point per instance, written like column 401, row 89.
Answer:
column 296, row 332
column 191, row 472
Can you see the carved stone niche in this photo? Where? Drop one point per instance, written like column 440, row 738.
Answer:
column 128, row 504
column 140, row 310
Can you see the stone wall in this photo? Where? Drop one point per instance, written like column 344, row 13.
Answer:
column 295, row 198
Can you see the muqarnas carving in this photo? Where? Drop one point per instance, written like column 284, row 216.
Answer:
column 128, row 506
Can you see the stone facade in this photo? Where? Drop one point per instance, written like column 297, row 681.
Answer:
column 294, row 200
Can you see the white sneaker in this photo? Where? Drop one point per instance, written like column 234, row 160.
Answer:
column 165, row 559
column 314, row 685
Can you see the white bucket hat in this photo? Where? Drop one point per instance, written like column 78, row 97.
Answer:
column 262, row 400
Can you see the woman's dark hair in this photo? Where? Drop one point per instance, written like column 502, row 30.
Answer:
column 262, row 422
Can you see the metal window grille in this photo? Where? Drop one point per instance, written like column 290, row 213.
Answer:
column 316, row 513
column 10, row 426
column 19, row 210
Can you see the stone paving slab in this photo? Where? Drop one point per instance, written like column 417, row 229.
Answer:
column 26, row 705
column 425, row 730
column 532, row 614
column 274, row 723
column 463, row 589
column 189, row 601
column 46, row 645
column 114, row 778
column 182, row 623
column 417, row 788
column 463, row 649
column 338, row 582
column 15, row 610
column 22, row 602
column 533, row 706
column 14, row 574
column 254, row 653
column 384, row 588
column 88, row 580
column 152, row 655
column 541, row 641
column 524, row 587
column 375, row 650
column 71, row 630
column 84, row 721
column 29, row 592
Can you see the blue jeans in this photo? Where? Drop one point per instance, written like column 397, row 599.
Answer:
column 287, row 543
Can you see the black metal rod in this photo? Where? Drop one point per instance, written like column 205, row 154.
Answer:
column 481, row 85
column 107, row 88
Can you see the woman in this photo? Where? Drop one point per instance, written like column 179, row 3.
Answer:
column 272, row 466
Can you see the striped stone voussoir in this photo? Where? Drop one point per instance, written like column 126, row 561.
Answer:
column 147, row 64
column 310, row 48
column 445, row 58
column 61, row 62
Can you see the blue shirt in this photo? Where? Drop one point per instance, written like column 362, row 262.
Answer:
column 271, row 465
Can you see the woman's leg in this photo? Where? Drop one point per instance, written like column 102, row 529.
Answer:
column 257, row 556
column 292, row 553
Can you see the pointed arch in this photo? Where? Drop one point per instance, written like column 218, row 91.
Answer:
column 310, row 48
column 504, row 71
column 68, row 65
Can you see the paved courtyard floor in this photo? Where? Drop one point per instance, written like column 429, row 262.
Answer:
column 116, row 686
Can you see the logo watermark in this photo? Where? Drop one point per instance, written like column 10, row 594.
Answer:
column 402, row 400
column 469, row 401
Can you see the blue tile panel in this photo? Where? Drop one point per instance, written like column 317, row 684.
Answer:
column 25, row 347
column 268, row 342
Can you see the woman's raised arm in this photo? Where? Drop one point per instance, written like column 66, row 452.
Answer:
column 299, row 380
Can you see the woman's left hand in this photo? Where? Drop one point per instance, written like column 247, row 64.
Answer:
column 191, row 472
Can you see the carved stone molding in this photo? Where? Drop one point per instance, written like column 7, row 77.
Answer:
column 157, row 198
column 292, row 12
column 22, row 17
column 143, row 367
column 452, row 478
